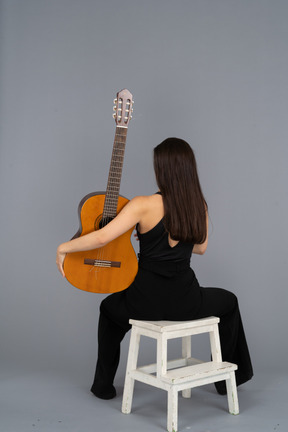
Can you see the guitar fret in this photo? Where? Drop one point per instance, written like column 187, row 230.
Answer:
column 119, row 153
column 113, row 198
column 116, row 169
column 110, row 206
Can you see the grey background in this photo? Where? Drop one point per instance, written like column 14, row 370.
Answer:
column 213, row 72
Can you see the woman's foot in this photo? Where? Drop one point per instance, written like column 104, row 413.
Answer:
column 104, row 391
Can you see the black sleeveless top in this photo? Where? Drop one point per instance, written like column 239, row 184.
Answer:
column 154, row 246
column 156, row 254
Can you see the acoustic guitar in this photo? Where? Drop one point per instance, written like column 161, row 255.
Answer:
column 113, row 267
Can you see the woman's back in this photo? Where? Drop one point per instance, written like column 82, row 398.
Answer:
column 153, row 217
column 155, row 242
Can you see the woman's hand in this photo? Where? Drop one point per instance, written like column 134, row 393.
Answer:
column 60, row 260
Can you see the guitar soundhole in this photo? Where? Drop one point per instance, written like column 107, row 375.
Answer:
column 100, row 222
column 105, row 221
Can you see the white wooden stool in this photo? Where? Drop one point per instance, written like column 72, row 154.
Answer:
column 180, row 374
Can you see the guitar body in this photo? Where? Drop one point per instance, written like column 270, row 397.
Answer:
column 105, row 270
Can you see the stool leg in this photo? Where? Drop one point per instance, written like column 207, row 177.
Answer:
column 215, row 344
column 186, row 353
column 131, row 365
column 232, row 394
column 161, row 355
column 172, row 415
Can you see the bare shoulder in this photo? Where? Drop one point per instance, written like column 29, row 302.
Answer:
column 147, row 202
column 151, row 210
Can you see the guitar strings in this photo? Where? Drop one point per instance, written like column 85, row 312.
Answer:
column 113, row 187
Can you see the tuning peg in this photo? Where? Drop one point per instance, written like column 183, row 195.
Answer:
column 115, row 101
column 114, row 115
column 114, row 108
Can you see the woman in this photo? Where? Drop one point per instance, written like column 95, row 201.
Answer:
column 170, row 224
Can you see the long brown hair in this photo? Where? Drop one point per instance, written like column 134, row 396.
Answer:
column 177, row 178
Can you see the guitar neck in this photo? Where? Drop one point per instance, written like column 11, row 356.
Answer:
column 115, row 173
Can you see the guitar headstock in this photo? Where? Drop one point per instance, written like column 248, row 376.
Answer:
column 123, row 108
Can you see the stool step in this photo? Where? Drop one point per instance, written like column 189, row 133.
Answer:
column 196, row 372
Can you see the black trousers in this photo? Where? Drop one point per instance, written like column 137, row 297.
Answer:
column 114, row 324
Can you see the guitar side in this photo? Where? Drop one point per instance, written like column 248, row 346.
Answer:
column 105, row 270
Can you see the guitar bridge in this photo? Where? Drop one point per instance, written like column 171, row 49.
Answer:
column 102, row 263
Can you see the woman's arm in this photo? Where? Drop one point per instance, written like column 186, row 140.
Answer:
column 200, row 249
column 129, row 216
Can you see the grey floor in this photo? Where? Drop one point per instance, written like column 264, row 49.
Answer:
column 49, row 401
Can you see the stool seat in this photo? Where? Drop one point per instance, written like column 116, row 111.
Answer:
column 166, row 326
column 180, row 374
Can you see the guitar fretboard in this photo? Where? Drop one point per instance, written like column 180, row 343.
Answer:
column 115, row 173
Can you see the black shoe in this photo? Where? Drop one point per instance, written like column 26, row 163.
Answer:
column 104, row 392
